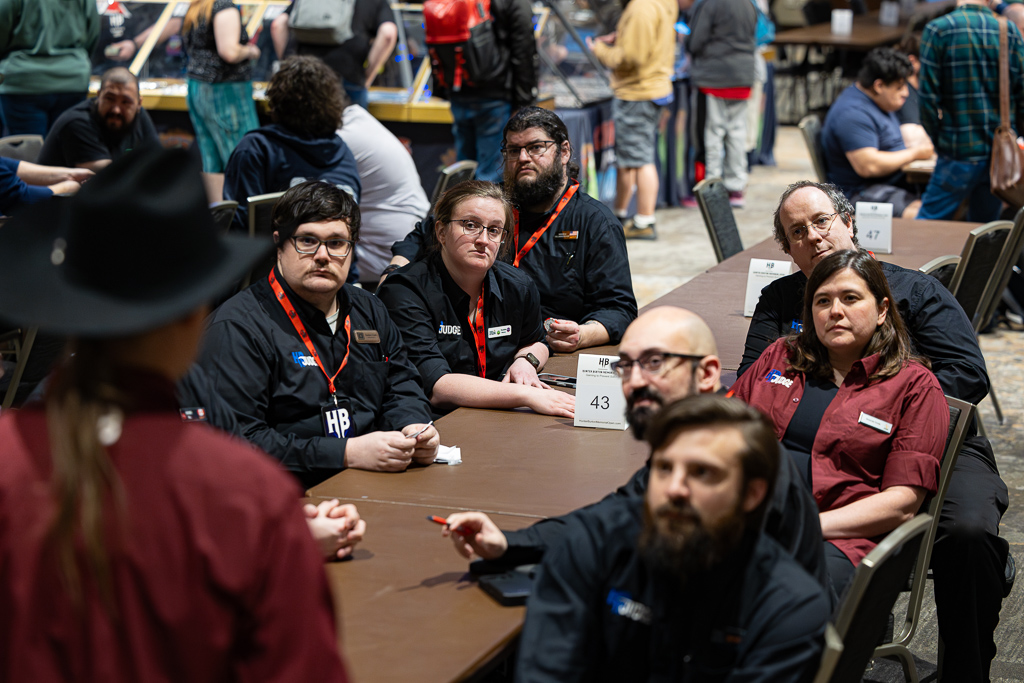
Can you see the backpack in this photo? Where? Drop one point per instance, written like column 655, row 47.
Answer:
column 765, row 31
column 463, row 46
column 322, row 22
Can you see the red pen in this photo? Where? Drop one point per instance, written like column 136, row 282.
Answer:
column 443, row 522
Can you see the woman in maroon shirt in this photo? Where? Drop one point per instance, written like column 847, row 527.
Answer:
column 855, row 406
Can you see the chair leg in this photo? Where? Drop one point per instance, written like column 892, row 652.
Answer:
column 995, row 403
column 909, row 668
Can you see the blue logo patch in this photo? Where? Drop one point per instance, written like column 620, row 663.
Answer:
column 796, row 326
column 624, row 606
column 775, row 377
column 302, row 359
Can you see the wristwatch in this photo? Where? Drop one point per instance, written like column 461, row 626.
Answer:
column 531, row 359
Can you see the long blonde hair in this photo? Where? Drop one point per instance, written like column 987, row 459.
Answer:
column 84, row 479
column 197, row 9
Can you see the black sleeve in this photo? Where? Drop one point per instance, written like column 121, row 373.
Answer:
column 411, row 246
column 522, row 52
column 532, row 325
column 244, row 178
column 404, row 402
column 561, row 635
column 80, row 143
column 527, row 546
column 195, row 391
column 384, row 13
column 942, row 333
column 766, row 326
column 147, row 131
column 410, row 313
column 792, row 520
column 607, row 283
column 238, row 363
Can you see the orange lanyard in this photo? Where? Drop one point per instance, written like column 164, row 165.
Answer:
column 293, row 315
column 520, row 253
column 479, row 335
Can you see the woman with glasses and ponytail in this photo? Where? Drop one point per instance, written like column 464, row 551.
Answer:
column 471, row 324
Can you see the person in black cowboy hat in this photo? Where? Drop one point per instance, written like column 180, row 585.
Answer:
column 134, row 546
column 315, row 369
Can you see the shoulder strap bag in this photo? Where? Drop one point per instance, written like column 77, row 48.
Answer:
column 1006, row 170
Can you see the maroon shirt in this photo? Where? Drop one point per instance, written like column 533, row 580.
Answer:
column 852, row 460
column 218, row 578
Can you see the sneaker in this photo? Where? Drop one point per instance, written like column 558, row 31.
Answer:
column 736, row 200
column 689, row 202
column 634, row 232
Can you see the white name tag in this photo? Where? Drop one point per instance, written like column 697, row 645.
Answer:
column 874, row 226
column 875, row 423
column 599, row 399
column 762, row 273
column 503, row 331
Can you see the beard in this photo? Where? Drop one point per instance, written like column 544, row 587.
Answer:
column 638, row 417
column 676, row 542
column 542, row 189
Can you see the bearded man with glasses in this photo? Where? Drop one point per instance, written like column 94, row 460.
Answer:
column 972, row 566
column 314, row 369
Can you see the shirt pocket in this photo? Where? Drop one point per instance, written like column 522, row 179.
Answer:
column 369, row 382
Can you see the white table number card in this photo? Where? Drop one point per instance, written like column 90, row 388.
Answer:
column 762, row 273
column 874, row 226
column 599, row 399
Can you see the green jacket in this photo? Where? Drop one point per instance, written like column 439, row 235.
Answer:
column 45, row 45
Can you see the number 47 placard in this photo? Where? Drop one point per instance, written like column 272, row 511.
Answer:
column 599, row 399
column 874, row 226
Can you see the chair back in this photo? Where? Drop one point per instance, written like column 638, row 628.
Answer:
column 450, row 176
column 223, row 212
column 1001, row 276
column 21, row 147
column 23, row 341
column 961, row 415
column 978, row 261
column 261, row 208
column 861, row 618
column 713, row 200
column 941, row 268
column 810, row 126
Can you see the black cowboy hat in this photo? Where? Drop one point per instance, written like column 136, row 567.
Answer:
column 134, row 249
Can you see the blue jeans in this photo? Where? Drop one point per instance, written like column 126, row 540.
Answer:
column 35, row 114
column 951, row 182
column 477, row 130
column 357, row 94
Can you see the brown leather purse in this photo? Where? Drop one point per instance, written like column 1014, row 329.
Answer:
column 1006, row 170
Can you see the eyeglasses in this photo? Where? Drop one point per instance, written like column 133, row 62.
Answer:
column 534, row 149
column 822, row 225
column 307, row 244
column 652, row 364
column 472, row 229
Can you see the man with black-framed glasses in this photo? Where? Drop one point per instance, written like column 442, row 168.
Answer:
column 314, row 369
column 666, row 354
column 970, row 561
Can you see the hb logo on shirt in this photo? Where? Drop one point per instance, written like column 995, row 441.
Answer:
column 337, row 422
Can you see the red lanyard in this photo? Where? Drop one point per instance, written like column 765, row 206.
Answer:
column 478, row 335
column 573, row 186
column 293, row 315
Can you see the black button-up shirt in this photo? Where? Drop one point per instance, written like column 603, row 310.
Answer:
column 256, row 360
column 432, row 312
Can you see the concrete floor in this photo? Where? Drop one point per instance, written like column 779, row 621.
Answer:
column 683, row 251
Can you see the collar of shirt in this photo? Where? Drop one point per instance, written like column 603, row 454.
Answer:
column 310, row 314
column 460, row 300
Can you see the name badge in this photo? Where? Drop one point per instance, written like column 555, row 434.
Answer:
column 567, row 235
column 501, row 331
column 337, row 419
column 366, row 336
column 875, row 423
column 193, row 414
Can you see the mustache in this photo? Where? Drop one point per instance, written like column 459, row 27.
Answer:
column 646, row 393
column 677, row 511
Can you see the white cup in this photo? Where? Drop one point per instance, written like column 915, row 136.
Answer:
column 889, row 13
column 842, row 22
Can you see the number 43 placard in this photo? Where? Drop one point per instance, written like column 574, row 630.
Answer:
column 599, row 399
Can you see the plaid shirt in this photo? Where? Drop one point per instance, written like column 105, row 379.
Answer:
column 960, row 81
